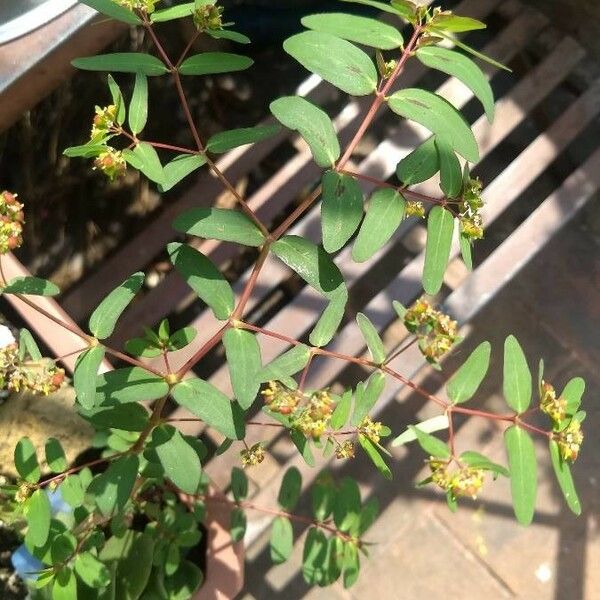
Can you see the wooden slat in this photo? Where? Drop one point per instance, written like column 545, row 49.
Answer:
column 382, row 162
column 285, row 184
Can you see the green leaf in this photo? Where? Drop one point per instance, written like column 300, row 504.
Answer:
column 440, row 228
column 464, row 69
column 27, row 345
column 129, row 557
column 182, row 338
column 450, row 169
column 244, row 363
column 382, row 6
column 209, row 63
column 330, row 319
column 428, row 426
column 55, row 456
column 282, row 540
column 72, row 491
column 175, row 12
column 212, row 406
column 335, row 60
column 131, row 416
column 362, row 30
column 219, row 224
column 111, row 9
column 289, row 363
column 91, row 571
column 122, row 62
column 314, row 557
column 104, row 318
column 311, row 263
column 179, row 168
column 468, row 378
column 430, row 444
column 204, row 278
column 303, row 446
column 420, row 165
column 368, row 514
column 289, row 492
column 228, row 34
column 184, row 582
column 26, row 461
column 112, row 489
column 117, row 99
column 472, row 51
column 239, row 484
column 439, row 116
column 572, row 393
column 405, row 8
column 466, row 251
column 85, row 375
column 564, row 478
column 383, row 216
column 34, row 286
column 351, row 565
column 179, row 460
column 374, row 342
column 523, row 472
column 138, row 108
column 479, row 461
column 38, row 513
column 517, row 384
column 341, row 413
column 341, row 209
column 366, row 400
column 227, row 140
column 347, row 506
column 89, row 150
column 238, row 524
column 145, row 159
column 323, row 496
column 456, row 23
column 65, row 585
column 312, row 123
column 373, row 453
column 129, row 384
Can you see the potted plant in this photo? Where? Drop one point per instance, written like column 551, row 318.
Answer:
column 129, row 523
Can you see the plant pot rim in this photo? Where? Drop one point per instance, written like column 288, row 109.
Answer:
column 224, row 577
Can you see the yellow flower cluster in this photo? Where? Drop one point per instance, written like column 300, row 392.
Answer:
column 42, row 377
column 437, row 332
column 253, row 456
column 463, row 482
column 280, row 398
column 471, row 223
column 313, row 420
column 415, row 209
column 208, row 18
column 370, row 429
column 345, row 450
column 103, row 122
column 569, row 440
column 147, row 6
column 11, row 222
column 111, row 163
column 555, row 408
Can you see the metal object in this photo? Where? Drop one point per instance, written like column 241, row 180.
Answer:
column 19, row 17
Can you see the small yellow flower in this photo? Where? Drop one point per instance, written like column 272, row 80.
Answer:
column 415, row 209
column 11, row 222
column 569, row 441
column 370, row 429
column 467, row 482
column 345, row 450
column 111, row 163
column 253, row 456
column 103, row 122
column 208, row 18
column 555, row 408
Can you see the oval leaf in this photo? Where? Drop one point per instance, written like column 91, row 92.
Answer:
column 440, row 228
column 26, row 461
column 55, row 456
column 366, row 397
column 113, row 10
column 129, row 384
column 517, row 384
column 420, row 165
column 209, row 63
column 227, row 140
column 464, row 69
column 204, row 278
column 282, row 540
column 384, row 215
column 212, row 406
column 341, row 413
column 145, row 159
column 179, row 168
column 373, row 453
column 138, row 107
column 219, row 224
column 353, row 28
column 564, row 478
column 122, row 62
column 335, row 60
column 85, row 375
column 341, row 209
column 111, row 490
column 428, row 426
column 312, row 124
column 104, row 318
column 468, row 378
column 289, row 363
column 289, row 492
column 451, row 176
column 523, row 472
column 330, row 319
column 374, row 342
column 244, row 363
column 430, row 444
column 439, row 116
column 33, row 286
column 38, row 512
